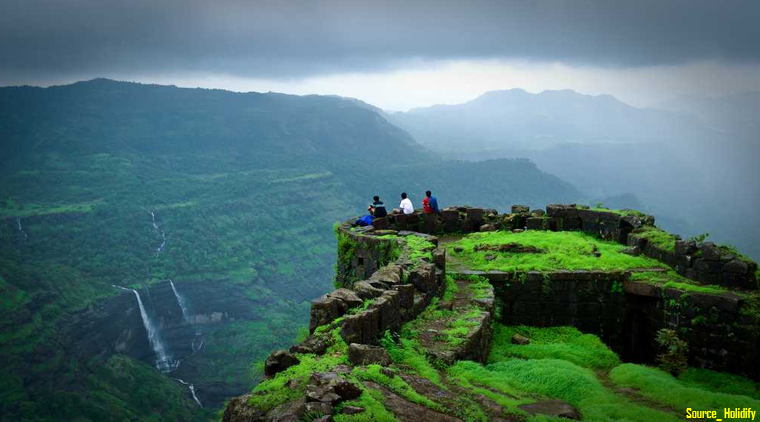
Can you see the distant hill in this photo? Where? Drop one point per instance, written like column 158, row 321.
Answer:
column 231, row 196
column 518, row 120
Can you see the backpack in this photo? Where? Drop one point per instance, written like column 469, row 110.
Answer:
column 364, row 221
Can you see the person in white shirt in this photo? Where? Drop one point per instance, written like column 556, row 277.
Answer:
column 406, row 204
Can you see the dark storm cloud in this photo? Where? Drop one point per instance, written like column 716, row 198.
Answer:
column 293, row 39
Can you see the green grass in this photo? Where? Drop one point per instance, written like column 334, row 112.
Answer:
column 673, row 280
column 559, row 379
column 273, row 392
column 720, row 382
column 566, row 343
column 374, row 410
column 663, row 388
column 458, row 329
column 480, row 286
column 417, row 247
column 450, row 288
column 657, row 237
column 409, row 353
column 623, row 212
column 560, row 251
column 396, row 384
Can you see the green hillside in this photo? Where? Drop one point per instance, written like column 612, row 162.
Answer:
column 244, row 188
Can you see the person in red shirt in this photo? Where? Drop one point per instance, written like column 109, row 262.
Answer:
column 430, row 204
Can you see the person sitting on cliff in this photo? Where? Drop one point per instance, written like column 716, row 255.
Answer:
column 406, row 204
column 430, row 204
column 377, row 209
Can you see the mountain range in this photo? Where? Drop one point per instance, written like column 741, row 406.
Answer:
column 693, row 165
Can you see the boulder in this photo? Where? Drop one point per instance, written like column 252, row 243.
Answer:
column 291, row 411
column 314, row 344
column 352, row 410
column 538, row 213
column 346, row 390
column 238, row 410
column 736, row 266
column 349, row 297
column 520, row 209
column 685, row 247
column 552, row 408
column 710, row 252
column 389, row 274
column 634, row 251
column 380, row 223
column 365, row 290
column 279, row 361
column 488, row 228
column 363, row 354
column 520, row 339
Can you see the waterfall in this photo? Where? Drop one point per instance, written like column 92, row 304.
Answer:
column 164, row 362
column 192, row 390
column 161, row 231
column 198, row 335
column 181, row 302
column 21, row 229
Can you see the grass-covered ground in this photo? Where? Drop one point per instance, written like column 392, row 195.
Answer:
column 562, row 363
column 549, row 251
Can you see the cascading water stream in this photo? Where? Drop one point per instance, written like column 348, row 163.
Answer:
column 163, row 235
column 21, row 229
column 192, row 390
column 164, row 362
column 182, row 303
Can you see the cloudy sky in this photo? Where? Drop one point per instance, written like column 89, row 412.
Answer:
column 394, row 54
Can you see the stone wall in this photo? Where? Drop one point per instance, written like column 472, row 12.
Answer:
column 378, row 273
column 704, row 262
column 721, row 332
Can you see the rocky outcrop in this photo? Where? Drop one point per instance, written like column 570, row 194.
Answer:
column 363, row 354
column 386, row 284
column 278, row 362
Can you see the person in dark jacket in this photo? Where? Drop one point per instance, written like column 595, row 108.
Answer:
column 377, row 209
